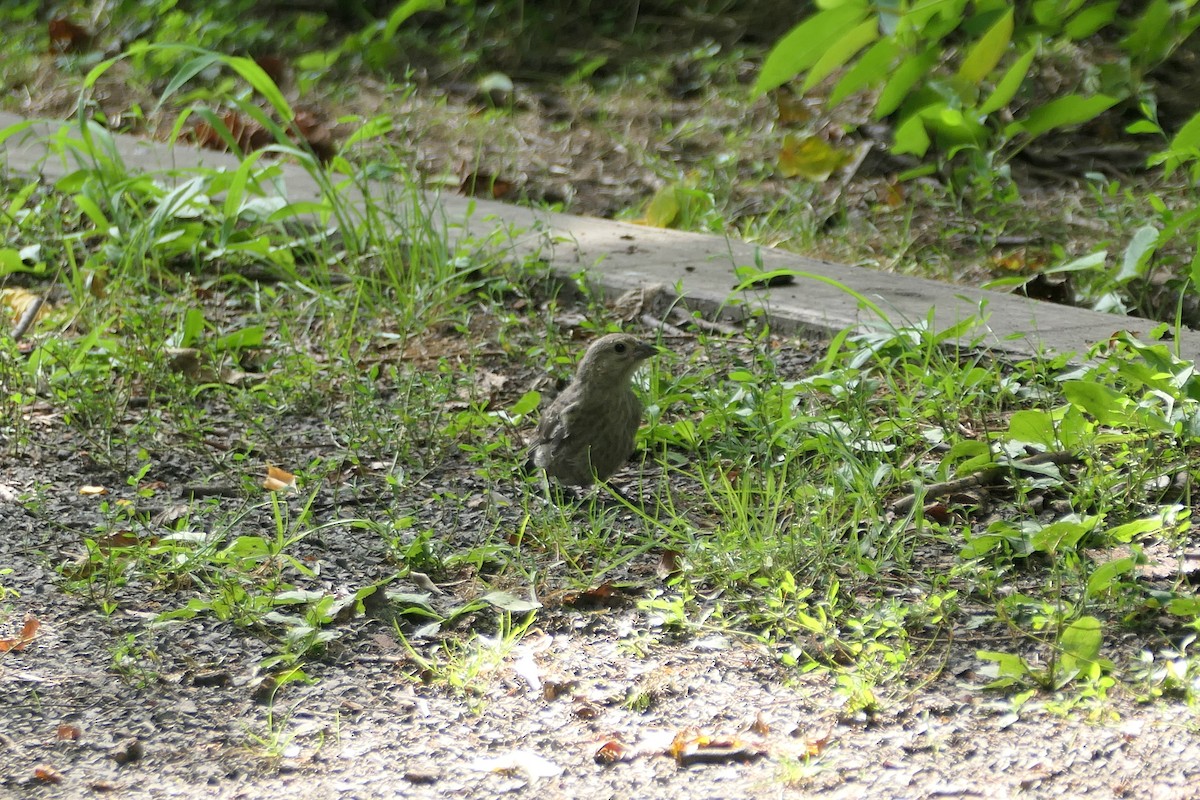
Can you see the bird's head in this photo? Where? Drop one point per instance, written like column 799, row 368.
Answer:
column 613, row 359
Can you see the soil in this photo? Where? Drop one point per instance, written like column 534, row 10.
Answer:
column 596, row 698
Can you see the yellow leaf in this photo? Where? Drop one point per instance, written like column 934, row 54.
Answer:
column 662, row 209
column 18, row 301
column 810, row 157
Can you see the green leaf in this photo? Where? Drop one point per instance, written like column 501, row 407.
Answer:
column 1137, row 254
column 985, row 54
column 257, row 77
column 1071, row 109
column 1010, row 84
column 871, row 68
column 406, row 10
column 1093, row 261
column 911, row 137
column 896, row 90
column 842, row 51
column 1091, row 19
column 1149, row 39
column 93, row 212
column 250, row 336
column 1194, row 270
column 802, row 46
column 1104, row 576
column 1105, row 404
column 1184, row 146
column 1033, row 427
column 1184, row 607
column 193, row 327
column 528, row 402
column 1064, row 534
column 1080, row 644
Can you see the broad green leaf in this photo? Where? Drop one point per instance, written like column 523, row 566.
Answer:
column 1033, row 427
column 1063, row 112
column 1010, row 84
column 1184, row 607
column 911, row 137
column 803, row 45
column 903, row 79
column 93, row 211
column 1148, row 40
column 193, row 328
column 986, row 53
column 1102, row 578
column 1064, row 534
column 371, row 129
column 185, row 73
column 1137, row 254
column 1051, row 13
column 250, row 336
column 662, row 209
column 1093, row 261
column 1105, row 404
column 1080, row 642
column 1091, row 19
column 1138, row 527
column 871, row 68
column 528, row 402
column 1194, row 270
column 1184, row 147
column 842, row 51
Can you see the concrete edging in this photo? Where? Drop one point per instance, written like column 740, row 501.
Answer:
column 620, row 256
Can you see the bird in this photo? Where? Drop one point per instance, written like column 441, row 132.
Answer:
column 587, row 432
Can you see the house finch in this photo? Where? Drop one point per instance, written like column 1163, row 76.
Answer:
column 587, row 432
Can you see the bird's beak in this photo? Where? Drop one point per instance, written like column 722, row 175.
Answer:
column 645, row 350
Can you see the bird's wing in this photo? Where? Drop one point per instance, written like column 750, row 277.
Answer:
column 553, row 427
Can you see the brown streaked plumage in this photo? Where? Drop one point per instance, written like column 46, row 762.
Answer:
column 587, row 432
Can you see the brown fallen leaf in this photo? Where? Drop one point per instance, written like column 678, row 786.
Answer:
column 278, row 479
column 67, row 37
column 27, row 635
column 47, row 774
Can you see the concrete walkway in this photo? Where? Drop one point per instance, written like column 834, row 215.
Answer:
column 619, row 256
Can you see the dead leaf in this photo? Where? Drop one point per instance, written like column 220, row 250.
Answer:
column 27, row 634
column 47, row 774
column 611, row 752
column 274, row 66
column 278, row 479
column 67, row 37
column 310, row 129
column 669, row 563
column 127, row 751
column 68, row 732
column 123, row 539
column 19, row 301
column 92, row 491
column 690, row 746
column 484, row 184
column 791, row 111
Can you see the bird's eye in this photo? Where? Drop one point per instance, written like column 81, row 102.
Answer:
column 619, row 347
